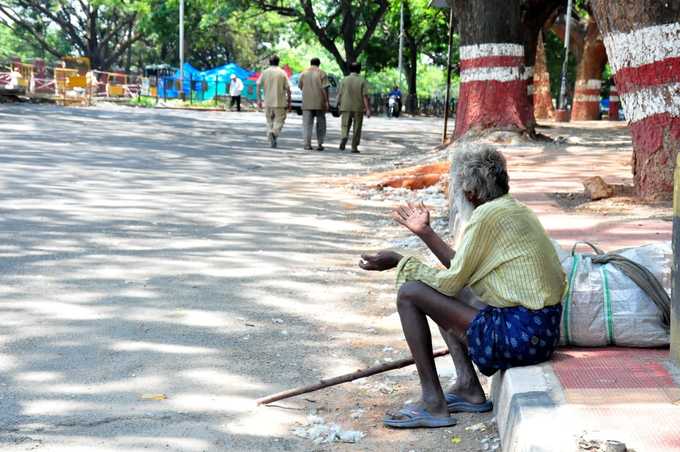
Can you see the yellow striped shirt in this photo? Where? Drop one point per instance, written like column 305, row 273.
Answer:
column 505, row 256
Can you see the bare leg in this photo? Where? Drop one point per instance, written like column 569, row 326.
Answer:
column 467, row 384
column 415, row 302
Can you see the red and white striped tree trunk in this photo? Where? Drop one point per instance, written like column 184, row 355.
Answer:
column 493, row 88
column 642, row 38
column 586, row 105
column 493, row 76
column 614, row 104
column 586, row 100
column 542, row 98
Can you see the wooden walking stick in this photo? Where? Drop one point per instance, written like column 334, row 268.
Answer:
column 344, row 378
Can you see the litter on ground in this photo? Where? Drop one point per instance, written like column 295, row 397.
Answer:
column 320, row 432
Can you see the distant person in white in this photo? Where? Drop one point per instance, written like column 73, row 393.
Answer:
column 235, row 89
column 14, row 77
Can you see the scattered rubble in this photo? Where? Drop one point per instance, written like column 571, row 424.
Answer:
column 597, row 445
column 320, row 433
column 596, row 188
column 479, row 427
column 356, row 414
column 490, row 443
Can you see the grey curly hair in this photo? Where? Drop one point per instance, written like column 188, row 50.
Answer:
column 481, row 168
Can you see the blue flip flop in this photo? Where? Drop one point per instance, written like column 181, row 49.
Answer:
column 458, row 405
column 418, row 419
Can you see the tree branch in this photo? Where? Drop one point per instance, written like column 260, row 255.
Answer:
column 14, row 18
column 310, row 19
column 371, row 25
column 283, row 10
column 114, row 31
column 121, row 49
column 61, row 20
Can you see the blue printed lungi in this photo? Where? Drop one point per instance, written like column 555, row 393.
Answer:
column 500, row 338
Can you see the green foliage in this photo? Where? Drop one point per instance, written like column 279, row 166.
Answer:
column 143, row 101
column 240, row 31
column 102, row 30
column 215, row 32
column 19, row 43
column 427, row 26
column 297, row 57
column 431, row 81
column 344, row 28
column 554, row 54
column 11, row 44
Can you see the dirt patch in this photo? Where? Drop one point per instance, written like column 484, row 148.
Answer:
column 624, row 204
column 361, row 406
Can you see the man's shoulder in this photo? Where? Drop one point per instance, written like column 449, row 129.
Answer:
column 354, row 79
column 274, row 71
column 495, row 209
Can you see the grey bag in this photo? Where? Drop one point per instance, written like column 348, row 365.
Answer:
column 604, row 305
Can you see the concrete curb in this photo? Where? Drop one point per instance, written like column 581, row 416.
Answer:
column 527, row 401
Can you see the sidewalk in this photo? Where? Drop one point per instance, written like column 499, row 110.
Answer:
column 623, row 394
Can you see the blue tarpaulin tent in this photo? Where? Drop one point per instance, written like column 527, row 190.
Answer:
column 205, row 84
column 218, row 79
column 168, row 87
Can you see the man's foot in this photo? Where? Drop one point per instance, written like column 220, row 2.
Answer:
column 421, row 418
column 458, row 405
column 343, row 143
column 308, row 147
column 319, row 148
column 355, row 151
column 468, row 393
column 419, row 415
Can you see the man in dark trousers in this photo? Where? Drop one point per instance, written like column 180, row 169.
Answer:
column 314, row 85
column 274, row 83
column 353, row 101
column 235, row 89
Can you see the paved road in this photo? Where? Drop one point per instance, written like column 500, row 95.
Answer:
column 147, row 253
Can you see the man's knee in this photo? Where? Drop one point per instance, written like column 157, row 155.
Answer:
column 408, row 293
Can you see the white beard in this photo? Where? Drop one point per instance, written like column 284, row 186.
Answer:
column 461, row 211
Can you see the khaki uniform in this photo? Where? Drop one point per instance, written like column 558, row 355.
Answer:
column 351, row 94
column 313, row 83
column 274, row 82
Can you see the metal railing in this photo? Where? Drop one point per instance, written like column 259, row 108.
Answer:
column 424, row 105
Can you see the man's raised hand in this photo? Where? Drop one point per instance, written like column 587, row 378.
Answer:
column 382, row 260
column 414, row 217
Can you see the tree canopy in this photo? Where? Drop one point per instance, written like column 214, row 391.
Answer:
column 129, row 34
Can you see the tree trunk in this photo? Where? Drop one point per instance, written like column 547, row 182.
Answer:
column 614, row 104
column 128, row 60
column 411, row 77
column 543, row 106
column 642, row 38
column 535, row 14
column 493, row 88
column 412, row 62
column 586, row 105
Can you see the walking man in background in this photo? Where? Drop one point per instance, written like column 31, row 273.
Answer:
column 314, row 85
column 274, row 83
column 353, row 100
column 235, row 89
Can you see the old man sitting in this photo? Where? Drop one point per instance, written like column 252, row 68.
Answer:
column 497, row 302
